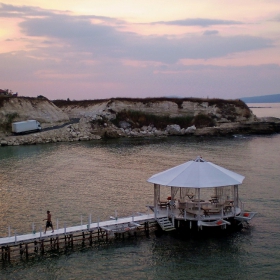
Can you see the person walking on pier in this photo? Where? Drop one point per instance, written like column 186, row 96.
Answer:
column 49, row 221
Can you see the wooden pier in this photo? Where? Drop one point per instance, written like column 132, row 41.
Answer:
column 39, row 243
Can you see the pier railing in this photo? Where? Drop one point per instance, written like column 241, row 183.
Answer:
column 35, row 243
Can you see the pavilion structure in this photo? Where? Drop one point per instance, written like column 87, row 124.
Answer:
column 201, row 192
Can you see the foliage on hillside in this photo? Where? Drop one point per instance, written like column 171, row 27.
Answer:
column 220, row 103
column 138, row 119
column 82, row 103
column 6, row 125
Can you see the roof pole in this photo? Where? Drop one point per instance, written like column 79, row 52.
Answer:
column 235, row 198
column 156, row 194
column 199, row 206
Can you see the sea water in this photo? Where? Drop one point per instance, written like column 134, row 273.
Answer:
column 262, row 110
column 74, row 180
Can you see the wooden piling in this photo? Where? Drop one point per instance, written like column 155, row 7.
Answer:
column 90, row 238
column 42, row 247
column 83, row 233
column 35, row 246
column 26, row 250
column 146, row 228
column 21, row 250
column 57, row 243
column 9, row 253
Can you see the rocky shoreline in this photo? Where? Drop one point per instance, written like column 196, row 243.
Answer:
column 115, row 118
column 84, row 130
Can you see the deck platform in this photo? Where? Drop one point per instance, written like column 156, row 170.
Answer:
column 194, row 215
column 109, row 224
column 40, row 243
column 168, row 218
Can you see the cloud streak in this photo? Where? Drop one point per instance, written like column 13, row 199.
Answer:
column 108, row 41
column 105, row 56
column 203, row 22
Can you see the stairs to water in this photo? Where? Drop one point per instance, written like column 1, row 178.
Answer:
column 165, row 224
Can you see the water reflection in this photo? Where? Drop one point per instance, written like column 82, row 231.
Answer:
column 99, row 177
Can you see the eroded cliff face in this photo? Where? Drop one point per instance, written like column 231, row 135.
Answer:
column 222, row 111
column 112, row 118
column 25, row 108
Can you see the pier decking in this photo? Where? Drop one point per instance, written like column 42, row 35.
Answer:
column 192, row 215
column 40, row 242
column 106, row 225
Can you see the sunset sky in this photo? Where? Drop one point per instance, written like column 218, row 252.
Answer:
column 94, row 49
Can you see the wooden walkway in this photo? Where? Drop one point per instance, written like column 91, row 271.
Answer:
column 106, row 225
column 39, row 243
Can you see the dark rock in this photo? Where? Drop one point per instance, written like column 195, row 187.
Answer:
column 111, row 133
column 124, row 124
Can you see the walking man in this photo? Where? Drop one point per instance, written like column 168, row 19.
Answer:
column 49, row 221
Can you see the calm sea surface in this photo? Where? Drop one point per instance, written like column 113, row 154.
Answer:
column 99, row 177
column 265, row 109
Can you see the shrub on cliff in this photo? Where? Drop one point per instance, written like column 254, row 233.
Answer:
column 6, row 125
column 202, row 120
column 138, row 119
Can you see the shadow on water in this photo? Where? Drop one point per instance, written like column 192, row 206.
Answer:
column 112, row 145
column 132, row 145
column 191, row 255
column 27, row 151
column 205, row 254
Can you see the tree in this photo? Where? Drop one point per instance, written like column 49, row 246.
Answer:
column 8, row 91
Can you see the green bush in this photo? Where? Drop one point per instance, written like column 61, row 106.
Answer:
column 138, row 119
column 202, row 120
column 9, row 118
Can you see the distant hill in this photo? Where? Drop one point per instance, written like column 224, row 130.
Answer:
column 273, row 98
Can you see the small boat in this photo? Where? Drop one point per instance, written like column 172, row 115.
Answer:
column 202, row 194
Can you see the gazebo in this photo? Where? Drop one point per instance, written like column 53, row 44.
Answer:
column 200, row 191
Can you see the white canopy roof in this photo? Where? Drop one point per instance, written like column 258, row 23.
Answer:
column 197, row 174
